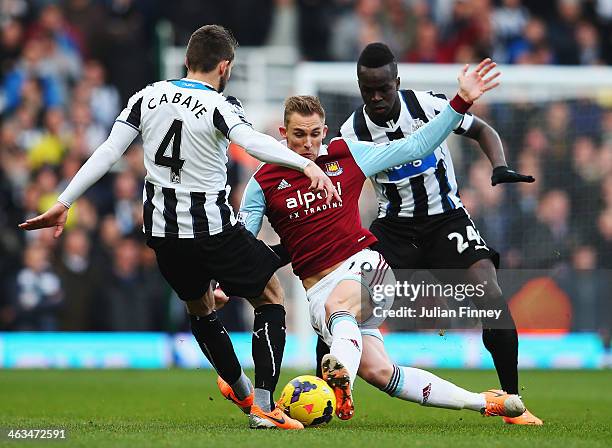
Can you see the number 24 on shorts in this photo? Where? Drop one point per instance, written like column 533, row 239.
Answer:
column 472, row 235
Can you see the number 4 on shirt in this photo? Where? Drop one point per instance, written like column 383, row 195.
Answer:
column 175, row 163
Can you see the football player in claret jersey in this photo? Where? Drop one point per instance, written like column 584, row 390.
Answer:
column 328, row 247
column 186, row 125
column 421, row 221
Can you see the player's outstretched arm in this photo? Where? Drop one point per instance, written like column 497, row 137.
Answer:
column 267, row 149
column 504, row 175
column 97, row 165
column 491, row 145
column 54, row 217
column 472, row 85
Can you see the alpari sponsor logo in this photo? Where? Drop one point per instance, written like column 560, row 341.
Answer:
column 306, row 200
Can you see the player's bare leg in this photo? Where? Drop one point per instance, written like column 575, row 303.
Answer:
column 339, row 367
column 500, row 338
column 375, row 367
column 218, row 349
column 220, row 297
column 427, row 389
column 268, row 347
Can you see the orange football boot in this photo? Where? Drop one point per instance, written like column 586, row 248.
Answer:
column 338, row 378
column 499, row 403
column 276, row 418
column 227, row 392
column 526, row 418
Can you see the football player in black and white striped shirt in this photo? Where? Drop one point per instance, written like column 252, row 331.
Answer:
column 421, row 221
column 186, row 125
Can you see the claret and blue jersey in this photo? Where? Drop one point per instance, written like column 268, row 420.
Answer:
column 318, row 235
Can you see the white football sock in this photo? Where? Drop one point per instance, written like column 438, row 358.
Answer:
column 427, row 389
column 346, row 343
column 263, row 399
column 243, row 387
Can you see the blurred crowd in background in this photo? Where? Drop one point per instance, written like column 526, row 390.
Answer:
column 68, row 67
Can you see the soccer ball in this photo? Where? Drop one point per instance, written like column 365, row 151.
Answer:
column 309, row 400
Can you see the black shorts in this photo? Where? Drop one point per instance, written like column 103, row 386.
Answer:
column 446, row 241
column 241, row 263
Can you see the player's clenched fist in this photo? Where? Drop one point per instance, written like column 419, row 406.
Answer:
column 473, row 84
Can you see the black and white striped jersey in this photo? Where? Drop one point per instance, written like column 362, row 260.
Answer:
column 421, row 188
column 185, row 126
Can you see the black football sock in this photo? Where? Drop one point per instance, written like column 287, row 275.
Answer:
column 217, row 346
column 268, row 346
column 322, row 350
column 501, row 340
column 503, row 346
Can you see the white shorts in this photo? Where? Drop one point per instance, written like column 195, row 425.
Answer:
column 352, row 269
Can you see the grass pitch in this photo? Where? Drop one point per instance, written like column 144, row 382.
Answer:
column 184, row 409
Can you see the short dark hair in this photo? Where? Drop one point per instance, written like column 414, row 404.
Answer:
column 209, row 45
column 376, row 55
column 304, row 105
